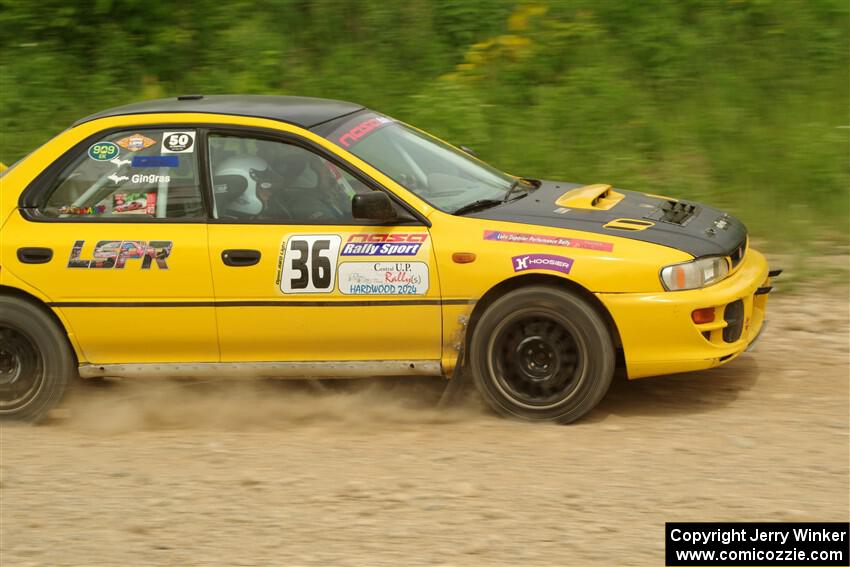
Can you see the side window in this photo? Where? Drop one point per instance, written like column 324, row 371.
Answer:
column 139, row 174
column 256, row 179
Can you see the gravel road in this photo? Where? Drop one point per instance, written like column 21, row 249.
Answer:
column 281, row 474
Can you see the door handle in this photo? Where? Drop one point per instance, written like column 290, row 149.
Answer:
column 240, row 258
column 34, row 255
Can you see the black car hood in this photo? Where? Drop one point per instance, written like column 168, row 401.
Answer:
column 694, row 228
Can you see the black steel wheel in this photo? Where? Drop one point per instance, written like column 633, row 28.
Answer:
column 36, row 360
column 541, row 353
column 535, row 358
column 21, row 370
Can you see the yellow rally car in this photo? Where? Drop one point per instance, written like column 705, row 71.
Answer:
column 289, row 237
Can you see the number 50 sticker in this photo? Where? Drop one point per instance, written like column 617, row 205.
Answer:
column 309, row 263
column 178, row 142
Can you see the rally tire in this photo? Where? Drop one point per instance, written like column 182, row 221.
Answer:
column 36, row 361
column 542, row 354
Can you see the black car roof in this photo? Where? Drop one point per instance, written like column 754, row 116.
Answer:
column 301, row 111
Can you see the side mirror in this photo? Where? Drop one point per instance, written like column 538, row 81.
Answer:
column 375, row 205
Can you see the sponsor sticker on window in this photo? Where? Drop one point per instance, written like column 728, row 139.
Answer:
column 103, row 151
column 136, row 142
column 178, row 142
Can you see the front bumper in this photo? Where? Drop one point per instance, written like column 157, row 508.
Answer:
column 659, row 337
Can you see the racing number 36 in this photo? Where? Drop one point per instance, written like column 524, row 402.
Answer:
column 309, row 263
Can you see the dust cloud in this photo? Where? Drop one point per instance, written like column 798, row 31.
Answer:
column 115, row 406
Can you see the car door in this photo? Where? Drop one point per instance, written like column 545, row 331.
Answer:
column 297, row 278
column 118, row 243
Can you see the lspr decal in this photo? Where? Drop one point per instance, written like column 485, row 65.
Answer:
column 115, row 254
column 549, row 262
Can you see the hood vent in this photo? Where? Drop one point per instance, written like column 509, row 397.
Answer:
column 674, row 212
column 629, row 224
column 598, row 197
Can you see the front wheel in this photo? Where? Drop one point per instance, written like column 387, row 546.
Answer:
column 36, row 361
column 542, row 354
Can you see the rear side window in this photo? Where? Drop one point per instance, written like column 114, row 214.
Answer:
column 137, row 174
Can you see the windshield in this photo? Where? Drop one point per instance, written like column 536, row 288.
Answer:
column 442, row 175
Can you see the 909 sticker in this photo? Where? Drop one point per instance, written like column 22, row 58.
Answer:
column 103, row 151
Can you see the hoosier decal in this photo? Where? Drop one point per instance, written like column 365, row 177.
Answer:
column 115, row 253
column 549, row 262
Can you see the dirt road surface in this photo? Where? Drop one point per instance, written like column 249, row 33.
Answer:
column 279, row 474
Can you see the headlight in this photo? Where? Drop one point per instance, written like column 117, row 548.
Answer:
column 694, row 274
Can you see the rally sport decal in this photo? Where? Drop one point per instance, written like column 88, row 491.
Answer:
column 392, row 244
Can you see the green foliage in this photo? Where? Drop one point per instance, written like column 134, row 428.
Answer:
column 743, row 103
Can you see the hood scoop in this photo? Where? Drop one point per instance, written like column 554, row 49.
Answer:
column 598, row 197
column 628, row 224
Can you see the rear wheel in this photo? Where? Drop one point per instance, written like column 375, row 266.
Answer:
column 542, row 354
column 36, row 361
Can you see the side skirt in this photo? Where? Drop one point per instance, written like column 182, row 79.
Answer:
column 330, row 369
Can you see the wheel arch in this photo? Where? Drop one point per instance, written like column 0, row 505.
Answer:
column 524, row 280
column 9, row 291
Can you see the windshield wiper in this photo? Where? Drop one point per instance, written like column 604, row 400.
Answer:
column 515, row 185
column 478, row 205
column 511, row 189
